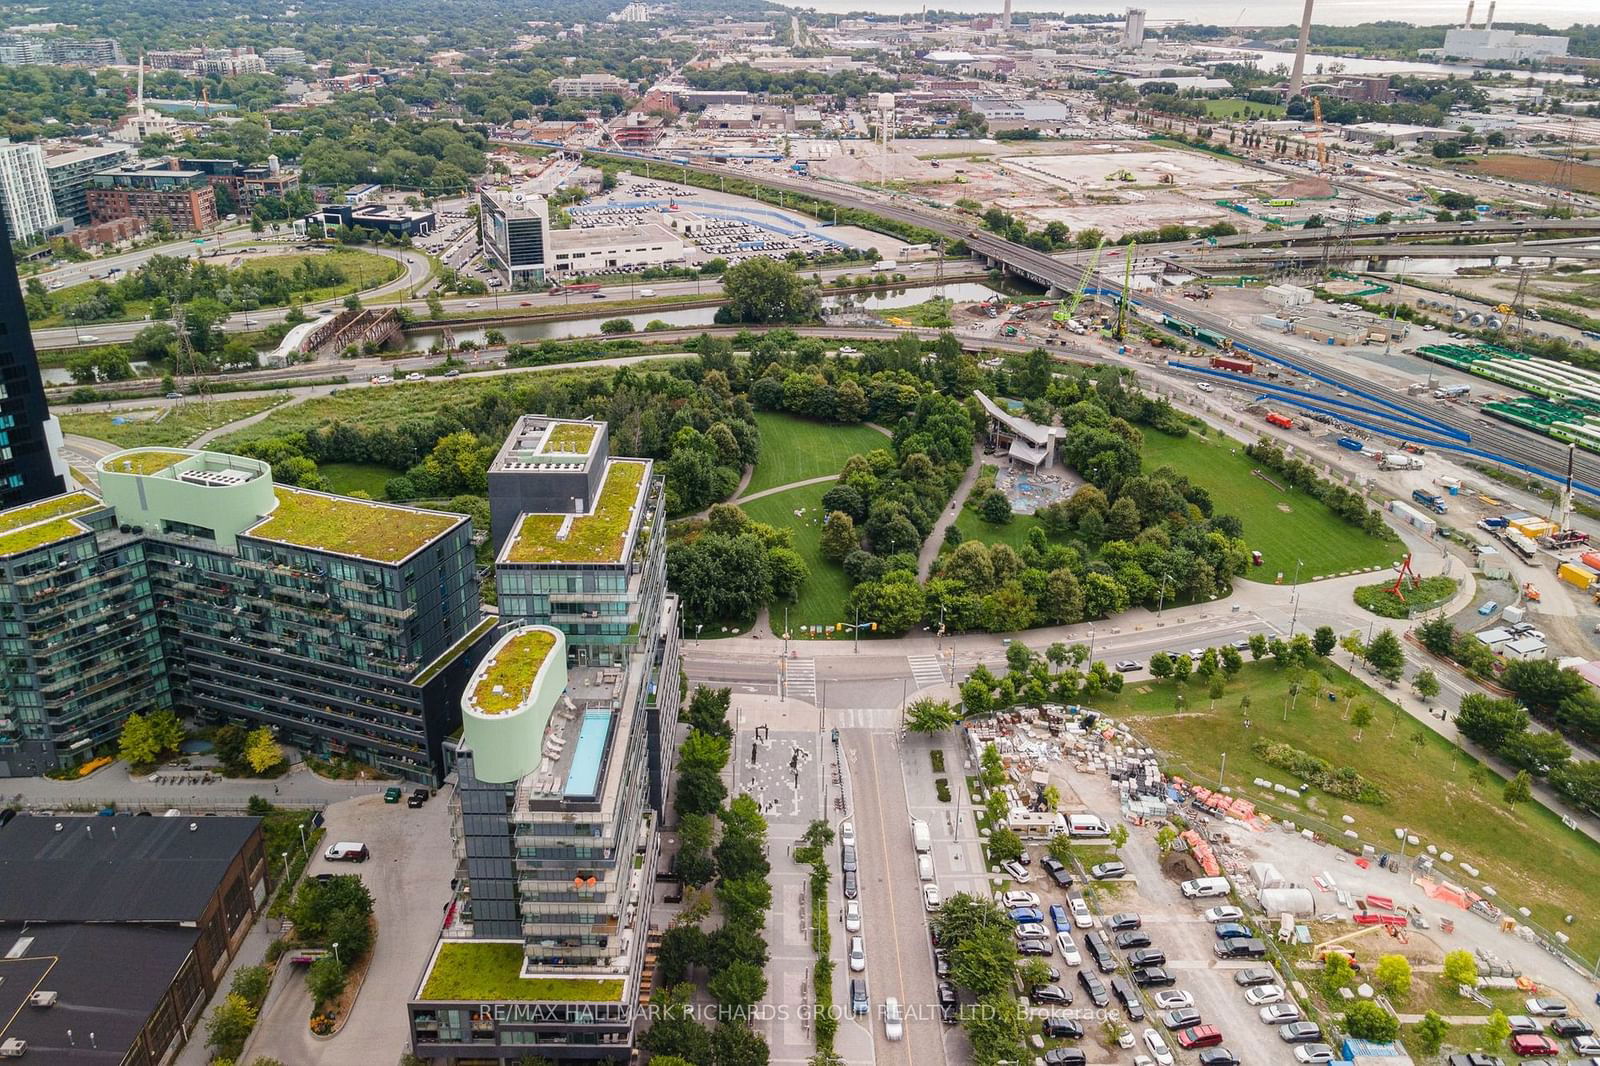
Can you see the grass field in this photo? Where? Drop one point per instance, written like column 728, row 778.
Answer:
column 1585, row 176
column 179, row 425
column 345, row 478
column 823, row 596
column 1282, row 526
column 1232, row 107
column 1445, row 796
column 1014, row 532
column 797, row 449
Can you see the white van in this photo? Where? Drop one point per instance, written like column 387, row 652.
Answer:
column 346, row 851
column 1205, row 888
column 1086, row 825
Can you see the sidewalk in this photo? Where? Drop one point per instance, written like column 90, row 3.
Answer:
column 252, row 952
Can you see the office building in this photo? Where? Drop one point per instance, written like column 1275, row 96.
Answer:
column 280, row 57
column 634, row 12
column 114, row 932
column 195, row 582
column 25, row 191
column 567, row 742
column 153, row 190
column 246, row 184
column 1133, row 29
column 578, row 251
column 590, row 86
column 68, row 171
column 392, row 220
column 516, row 235
column 30, row 438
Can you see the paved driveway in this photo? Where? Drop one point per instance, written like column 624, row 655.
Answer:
column 409, row 877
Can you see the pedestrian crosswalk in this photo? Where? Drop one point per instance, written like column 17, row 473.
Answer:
column 802, row 679
column 876, row 718
column 926, row 670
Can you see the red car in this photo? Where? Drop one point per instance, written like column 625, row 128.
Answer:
column 1199, row 1036
column 1527, row 1045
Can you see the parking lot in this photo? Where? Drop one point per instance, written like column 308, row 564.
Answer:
column 408, row 875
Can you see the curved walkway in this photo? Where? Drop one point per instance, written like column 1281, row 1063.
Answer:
column 785, row 488
column 935, row 538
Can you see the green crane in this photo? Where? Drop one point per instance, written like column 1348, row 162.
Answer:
column 1069, row 308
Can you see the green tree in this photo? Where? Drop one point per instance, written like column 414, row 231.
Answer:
column 1385, row 655
column 229, row 1025
column 738, row 984
column 1060, row 849
column 1460, row 968
column 996, row 1030
column 617, row 325
column 325, row 979
column 137, row 744
column 261, row 751
column 1393, row 976
column 1337, row 973
column 1119, row 836
column 768, row 290
column 1365, row 1020
column 1426, row 685
column 252, row 983
column 1431, row 1031
column 1519, row 789
column 1361, row 716
column 736, row 1044
column 1161, row 665
column 992, row 767
column 1497, row 1030
column 1004, row 845
column 701, row 758
column 1324, row 640
column 927, row 715
column 839, row 536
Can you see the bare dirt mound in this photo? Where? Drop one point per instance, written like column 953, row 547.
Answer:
column 1307, row 189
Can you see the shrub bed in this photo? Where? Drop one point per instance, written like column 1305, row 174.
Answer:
column 1381, row 600
column 1342, row 781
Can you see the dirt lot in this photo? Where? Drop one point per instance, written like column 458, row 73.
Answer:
column 1585, row 176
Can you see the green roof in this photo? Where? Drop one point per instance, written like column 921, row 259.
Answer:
column 37, row 536
column 380, row 532
column 597, row 537
column 575, row 437
column 55, row 507
column 145, row 462
column 485, row 971
column 511, row 669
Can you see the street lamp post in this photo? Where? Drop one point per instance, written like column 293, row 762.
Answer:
column 303, row 850
column 336, row 951
column 1295, row 615
column 286, row 866
column 1091, row 644
column 1222, row 771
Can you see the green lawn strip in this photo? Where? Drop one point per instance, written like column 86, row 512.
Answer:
column 363, row 270
column 797, row 449
column 824, row 595
column 490, row 972
column 139, row 427
column 1233, row 107
column 345, row 478
column 1444, row 796
column 1014, row 532
column 1307, row 531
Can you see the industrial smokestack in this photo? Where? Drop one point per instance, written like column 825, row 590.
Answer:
column 1488, row 23
column 1298, row 75
column 1005, row 21
column 1470, row 5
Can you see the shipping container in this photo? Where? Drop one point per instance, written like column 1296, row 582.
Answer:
column 1591, row 560
column 1578, row 576
column 1233, row 363
column 1351, row 444
column 1281, row 421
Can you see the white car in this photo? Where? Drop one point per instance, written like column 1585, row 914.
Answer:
column 647, row 292
column 1173, row 999
column 413, row 376
column 1224, row 914
column 1016, row 871
column 847, row 834
column 1313, row 1054
column 892, row 1026
column 1013, row 900
column 1069, row 950
column 930, row 897
column 1205, row 386
column 846, row 350
column 1158, row 1048
column 1262, row 995
column 858, row 954
column 1279, row 1013
column 1080, row 912
column 852, row 916
column 473, row 303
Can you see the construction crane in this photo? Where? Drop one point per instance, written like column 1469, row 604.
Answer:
column 1127, row 282
column 1069, row 308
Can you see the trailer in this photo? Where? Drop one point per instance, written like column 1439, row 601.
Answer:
column 1281, row 421
column 1233, row 364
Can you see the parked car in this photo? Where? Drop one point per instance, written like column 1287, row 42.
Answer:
column 852, row 916
column 1223, row 914
column 847, row 834
column 1262, row 995
column 1102, row 871
column 949, row 1003
column 1033, row 947
column 1032, row 931
column 1132, row 938
column 1569, row 1027
column 1080, row 912
column 1128, row 996
column 1063, row 1029
column 1043, row 994
column 1317, row 1054
column 847, row 859
column 1065, row 1056
column 1545, row 1007
column 858, row 953
column 1531, row 1045
column 1172, row 999
column 347, row 851
column 1058, row 873
column 1279, row 1013
column 391, row 794
column 1474, row 1058
column 418, row 797
column 1300, row 1032
column 1218, row 1056
column 1489, row 608
column 1587, row 1046
column 930, row 897
column 1153, row 977
column 1147, row 957
column 1069, row 951
column 1521, row 1023
column 1199, row 1036
column 1017, row 872
column 1229, row 930
column 1158, row 1048
column 1094, row 988
column 1059, row 919
column 1124, row 920
column 859, row 1003
column 851, row 888
column 1181, row 1018
column 1255, row 975
column 1013, row 900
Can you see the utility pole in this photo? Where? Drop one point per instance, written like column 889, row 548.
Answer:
column 1295, row 615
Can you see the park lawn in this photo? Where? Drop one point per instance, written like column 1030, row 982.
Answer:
column 974, row 527
column 363, row 270
column 1233, row 107
column 1283, row 526
column 1446, row 796
column 345, row 478
column 797, row 449
column 177, row 427
column 825, row 594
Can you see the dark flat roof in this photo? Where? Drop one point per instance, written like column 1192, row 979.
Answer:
column 121, row 869
column 108, row 980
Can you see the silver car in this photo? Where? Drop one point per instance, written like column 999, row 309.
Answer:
column 1280, row 1013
